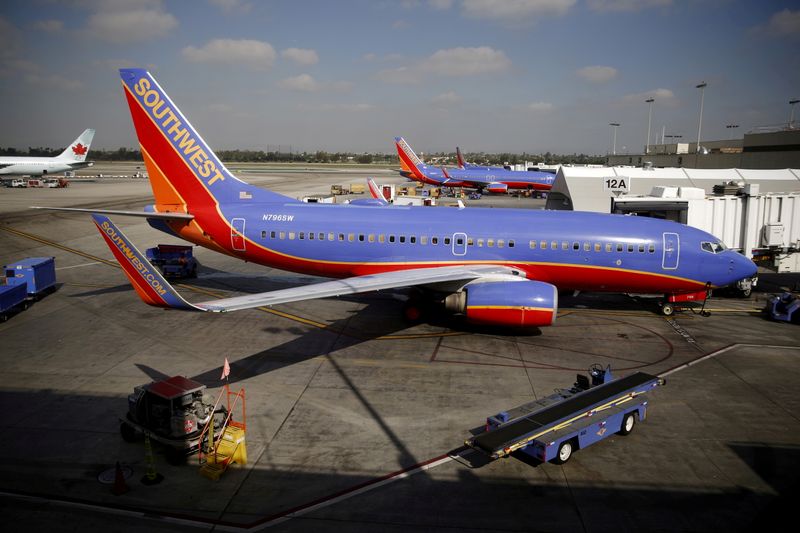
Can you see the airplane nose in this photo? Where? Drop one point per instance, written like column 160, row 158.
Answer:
column 742, row 267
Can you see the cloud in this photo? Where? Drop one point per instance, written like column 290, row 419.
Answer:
column 350, row 108
column 9, row 39
column 305, row 83
column 625, row 5
column 540, row 107
column 466, row 61
column 440, row 5
column 784, row 23
column 399, row 76
column 661, row 96
column 515, row 10
column 399, row 24
column 301, row 56
column 49, row 25
column 450, row 97
column 247, row 52
column 232, row 6
column 119, row 25
column 450, row 62
column 597, row 73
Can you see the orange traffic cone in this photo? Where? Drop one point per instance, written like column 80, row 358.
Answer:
column 119, row 487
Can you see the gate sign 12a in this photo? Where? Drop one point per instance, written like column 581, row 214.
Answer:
column 617, row 184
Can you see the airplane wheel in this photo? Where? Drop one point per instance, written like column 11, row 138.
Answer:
column 628, row 424
column 745, row 293
column 667, row 309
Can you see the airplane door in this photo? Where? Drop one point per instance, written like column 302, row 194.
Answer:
column 237, row 234
column 672, row 251
column 459, row 244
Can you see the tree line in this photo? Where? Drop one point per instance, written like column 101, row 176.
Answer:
column 260, row 156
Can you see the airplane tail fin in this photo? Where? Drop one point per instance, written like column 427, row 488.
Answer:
column 409, row 161
column 78, row 149
column 147, row 281
column 461, row 163
column 376, row 192
column 184, row 172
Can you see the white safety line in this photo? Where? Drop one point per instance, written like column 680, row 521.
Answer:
column 78, row 266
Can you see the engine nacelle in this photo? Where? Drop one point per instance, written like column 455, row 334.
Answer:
column 497, row 188
column 523, row 303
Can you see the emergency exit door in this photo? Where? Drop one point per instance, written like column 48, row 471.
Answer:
column 672, row 251
column 237, row 235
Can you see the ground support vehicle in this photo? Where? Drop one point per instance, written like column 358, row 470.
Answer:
column 174, row 260
column 784, row 308
column 554, row 427
column 12, row 298
column 173, row 412
column 37, row 274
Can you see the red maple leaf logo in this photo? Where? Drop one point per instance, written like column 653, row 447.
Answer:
column 79, row 149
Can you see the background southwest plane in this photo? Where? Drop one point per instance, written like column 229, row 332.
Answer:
column 491, row 179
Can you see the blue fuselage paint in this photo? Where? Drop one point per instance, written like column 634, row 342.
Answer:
column 572, row 250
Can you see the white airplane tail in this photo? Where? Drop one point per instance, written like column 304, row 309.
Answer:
column 78, row 149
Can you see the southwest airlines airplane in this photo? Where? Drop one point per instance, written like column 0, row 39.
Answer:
column 72, row 158
column 499, row 267
column 491, row 179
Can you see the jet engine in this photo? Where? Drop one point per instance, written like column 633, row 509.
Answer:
column 523, row 303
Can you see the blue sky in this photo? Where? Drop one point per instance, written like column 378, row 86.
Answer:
column 486, row 75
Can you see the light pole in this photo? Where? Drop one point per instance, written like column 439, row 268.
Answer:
column 649, row 117
column 791, row 113
column 702, row 88
column 732, row 127
column 615, row 125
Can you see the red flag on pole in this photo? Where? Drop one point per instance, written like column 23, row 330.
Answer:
column 226, row 369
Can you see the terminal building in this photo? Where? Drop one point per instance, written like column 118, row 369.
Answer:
column 756, row 150
column 754, row 211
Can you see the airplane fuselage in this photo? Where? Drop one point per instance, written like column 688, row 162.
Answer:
column 37, row 166
column 571, row 250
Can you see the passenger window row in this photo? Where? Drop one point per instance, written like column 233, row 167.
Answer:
column 383, row 238
column 588, row 246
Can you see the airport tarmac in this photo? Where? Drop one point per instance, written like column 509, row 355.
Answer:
column 355, row 419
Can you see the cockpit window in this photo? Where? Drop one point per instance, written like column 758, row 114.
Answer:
column 713, row 247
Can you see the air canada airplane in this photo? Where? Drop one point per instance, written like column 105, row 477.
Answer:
column 499, row 267
column 489, row 179
column 72, row 158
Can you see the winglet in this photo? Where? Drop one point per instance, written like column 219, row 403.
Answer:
column 148, row 282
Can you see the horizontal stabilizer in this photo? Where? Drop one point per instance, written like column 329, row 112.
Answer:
column 143, row 214
column 145, row 278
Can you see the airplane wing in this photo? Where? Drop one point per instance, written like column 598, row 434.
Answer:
column 142, row 214
column 354, row 285
column 155, row 290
